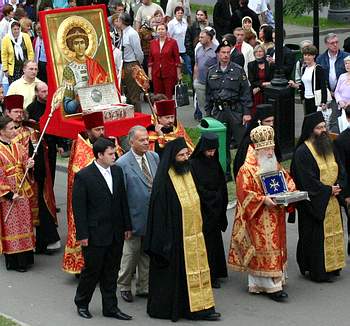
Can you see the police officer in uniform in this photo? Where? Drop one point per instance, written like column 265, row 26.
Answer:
column 228, row 99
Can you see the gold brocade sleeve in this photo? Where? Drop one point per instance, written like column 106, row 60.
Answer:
column 249, row 193
column 5, row 187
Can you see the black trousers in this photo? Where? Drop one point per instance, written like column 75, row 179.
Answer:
column 309, row 106
column 234, row 131
column 42, row 72
column 46, row 232
column 101, row 266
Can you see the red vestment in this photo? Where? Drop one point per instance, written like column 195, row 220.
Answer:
column 97, row 74
column 258, row 241
column 17, row 232
column 25, row 137
column 179, row 131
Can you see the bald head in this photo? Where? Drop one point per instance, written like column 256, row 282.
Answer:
column 41, row 92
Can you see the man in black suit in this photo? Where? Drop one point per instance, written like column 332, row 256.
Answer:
column 102, row 222
column 342, row 144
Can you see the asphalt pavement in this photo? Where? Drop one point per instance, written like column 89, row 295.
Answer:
column 44, row 295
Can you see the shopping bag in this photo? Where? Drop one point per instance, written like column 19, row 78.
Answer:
column 343, row 121
column 181, row 94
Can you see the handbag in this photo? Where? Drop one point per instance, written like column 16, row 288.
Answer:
column 343, row 121
column 318, row 92
column 181, row 94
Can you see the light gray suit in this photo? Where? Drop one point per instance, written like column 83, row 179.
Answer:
column 138, row 192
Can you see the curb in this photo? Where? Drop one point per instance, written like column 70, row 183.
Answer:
column 231, row 204
column 324, row 32
column 13, row 320
column 61, row 167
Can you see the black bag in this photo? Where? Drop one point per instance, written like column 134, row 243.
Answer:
column 181, row 94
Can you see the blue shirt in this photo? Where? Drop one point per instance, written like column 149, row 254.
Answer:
column 205, row 58
column 42, row 53
column 60, row 3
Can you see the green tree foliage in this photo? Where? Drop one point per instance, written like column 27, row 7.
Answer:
column 299, row 7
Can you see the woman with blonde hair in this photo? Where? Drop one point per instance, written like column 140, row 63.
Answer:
column 27, row 27
column 259, row 75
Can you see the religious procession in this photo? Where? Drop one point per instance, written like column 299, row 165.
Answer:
column 101, row 85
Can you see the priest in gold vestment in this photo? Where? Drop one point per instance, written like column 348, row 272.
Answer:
column 258, row 242
column 167, row 127
column 316, row 168
column 179, row 277
column 16, row 220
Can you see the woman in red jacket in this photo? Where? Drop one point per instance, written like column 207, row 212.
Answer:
column 164, row 65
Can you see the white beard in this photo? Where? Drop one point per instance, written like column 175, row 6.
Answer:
column 267, row 164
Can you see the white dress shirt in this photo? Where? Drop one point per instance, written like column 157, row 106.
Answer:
column 107, row 175
column 177, row 30
column 332, row 73
column 131, row 45
column 258, row 6
column 307, row 81
column 139, row 161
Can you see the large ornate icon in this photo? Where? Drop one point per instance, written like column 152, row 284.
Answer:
column 79, row 55
column 79, row 43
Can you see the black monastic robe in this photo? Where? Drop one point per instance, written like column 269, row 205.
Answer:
column 311, row 214
column 168, row 292
column 212, row 190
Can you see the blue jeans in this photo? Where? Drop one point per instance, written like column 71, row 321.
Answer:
column 187, row 63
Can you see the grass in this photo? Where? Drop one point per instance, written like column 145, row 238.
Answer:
column 208, row 8
column 7, row 322
column 307, row 21
column 194, row 134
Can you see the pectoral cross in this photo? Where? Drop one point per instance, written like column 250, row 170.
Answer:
column 274, row 184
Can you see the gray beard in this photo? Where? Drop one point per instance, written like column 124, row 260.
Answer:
column 267, row 164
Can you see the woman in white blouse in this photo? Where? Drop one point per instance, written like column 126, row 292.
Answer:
column 177, row 30
column 312, row 78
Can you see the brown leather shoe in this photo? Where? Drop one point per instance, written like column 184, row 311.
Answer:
column 127, row 296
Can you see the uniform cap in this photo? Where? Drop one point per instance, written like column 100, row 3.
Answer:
column 222, row 44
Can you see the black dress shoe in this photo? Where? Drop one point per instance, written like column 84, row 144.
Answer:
column 127, row 296
column 215, row 283
column 21, row 269
column 278, row 296
column 118, row 315
column 142, row 295
column 212, row 317
column 84, row 312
